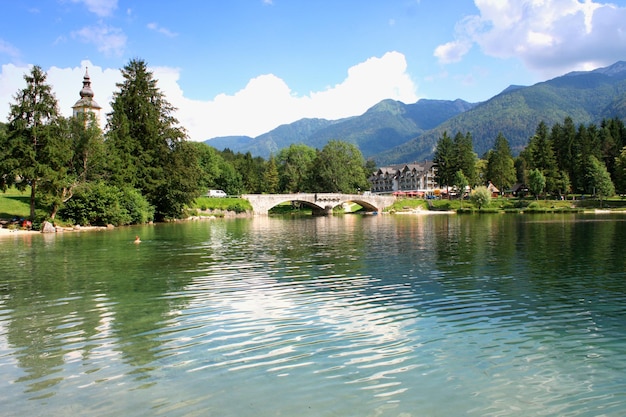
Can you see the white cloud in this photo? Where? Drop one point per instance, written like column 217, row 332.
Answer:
column 109, row 40
column 100, row 7
column 452, row 51
column 8, row 49
column 164, row 31
column 549, row 36
column 267, row 101
column 263, row 104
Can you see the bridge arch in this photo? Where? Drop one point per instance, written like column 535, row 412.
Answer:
column 321, row 203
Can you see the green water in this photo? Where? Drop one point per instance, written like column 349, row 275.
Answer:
column 436, row 315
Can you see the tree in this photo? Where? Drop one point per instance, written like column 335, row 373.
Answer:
column 34, row 143
column 87, row 140
column 461, row 183
column 295, row 167
column 536, row 182
column 481, row 197
column 465, row 157
column 147, row 148
column 563, row 184
column 599, row 179
column 270, row 176
column 563, row 138
column 339, row 168
column 56, row 186
column 444, row 160
column 500, row 166
column 229, row 179
column 620, row 172
column 209, row 160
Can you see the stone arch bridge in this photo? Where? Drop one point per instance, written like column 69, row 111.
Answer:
column 321, row 203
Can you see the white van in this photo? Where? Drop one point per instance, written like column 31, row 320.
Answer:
column 216, row 193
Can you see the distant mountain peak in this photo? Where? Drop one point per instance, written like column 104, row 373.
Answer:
column 615, row 69
column 388, row 106
column 512, row 87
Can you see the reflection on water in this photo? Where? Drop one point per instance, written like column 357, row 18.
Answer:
column 440, row 315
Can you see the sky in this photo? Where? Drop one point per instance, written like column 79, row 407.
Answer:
column 244, row 67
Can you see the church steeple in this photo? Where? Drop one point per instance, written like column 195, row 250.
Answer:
column 86, row 102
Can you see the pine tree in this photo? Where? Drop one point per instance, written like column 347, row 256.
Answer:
column 500, row 165
column 147, row 148
column 540, row 155
column 270, row 176
column 34, row 148
column 465, row 157
column 444, row 160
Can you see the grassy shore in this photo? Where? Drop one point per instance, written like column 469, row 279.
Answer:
column 504, row 204
column 14, row 204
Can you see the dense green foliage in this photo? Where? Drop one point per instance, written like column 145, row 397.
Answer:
column 34, row 147
column 146, row 146
column 500, row 165
column 536, row 182
column 453, row 156
column 339, row 169
column 97, row 203
column 296, row 167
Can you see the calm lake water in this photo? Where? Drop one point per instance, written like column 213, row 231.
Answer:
column 433, row 315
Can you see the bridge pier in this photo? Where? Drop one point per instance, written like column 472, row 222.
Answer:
column 326, row 211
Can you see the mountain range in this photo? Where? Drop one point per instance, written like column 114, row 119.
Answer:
column 393, row 132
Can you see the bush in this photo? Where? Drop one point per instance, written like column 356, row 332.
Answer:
column 101, row 204
column 236, row 206
column 481, row 197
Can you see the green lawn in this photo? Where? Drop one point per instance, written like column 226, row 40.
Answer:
column 238, row 205
column 14, row 203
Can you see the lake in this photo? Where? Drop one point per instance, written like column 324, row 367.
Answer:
column 389, row 315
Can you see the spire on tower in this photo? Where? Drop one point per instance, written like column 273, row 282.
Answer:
column 86, row 103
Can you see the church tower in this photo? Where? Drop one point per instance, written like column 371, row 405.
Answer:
column 86, row 102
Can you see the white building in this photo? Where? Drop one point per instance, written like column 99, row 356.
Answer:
column 417, row 179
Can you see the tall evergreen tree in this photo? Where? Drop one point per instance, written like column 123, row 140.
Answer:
column 147, row 148
column 465, row 157
column 620, row 172
column 500, row 166
column 270, row 176
column 444, row 160
column 34, row 147
column 539, row 154
column 563, row 137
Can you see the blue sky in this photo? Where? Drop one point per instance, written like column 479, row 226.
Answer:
column 243, row 67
